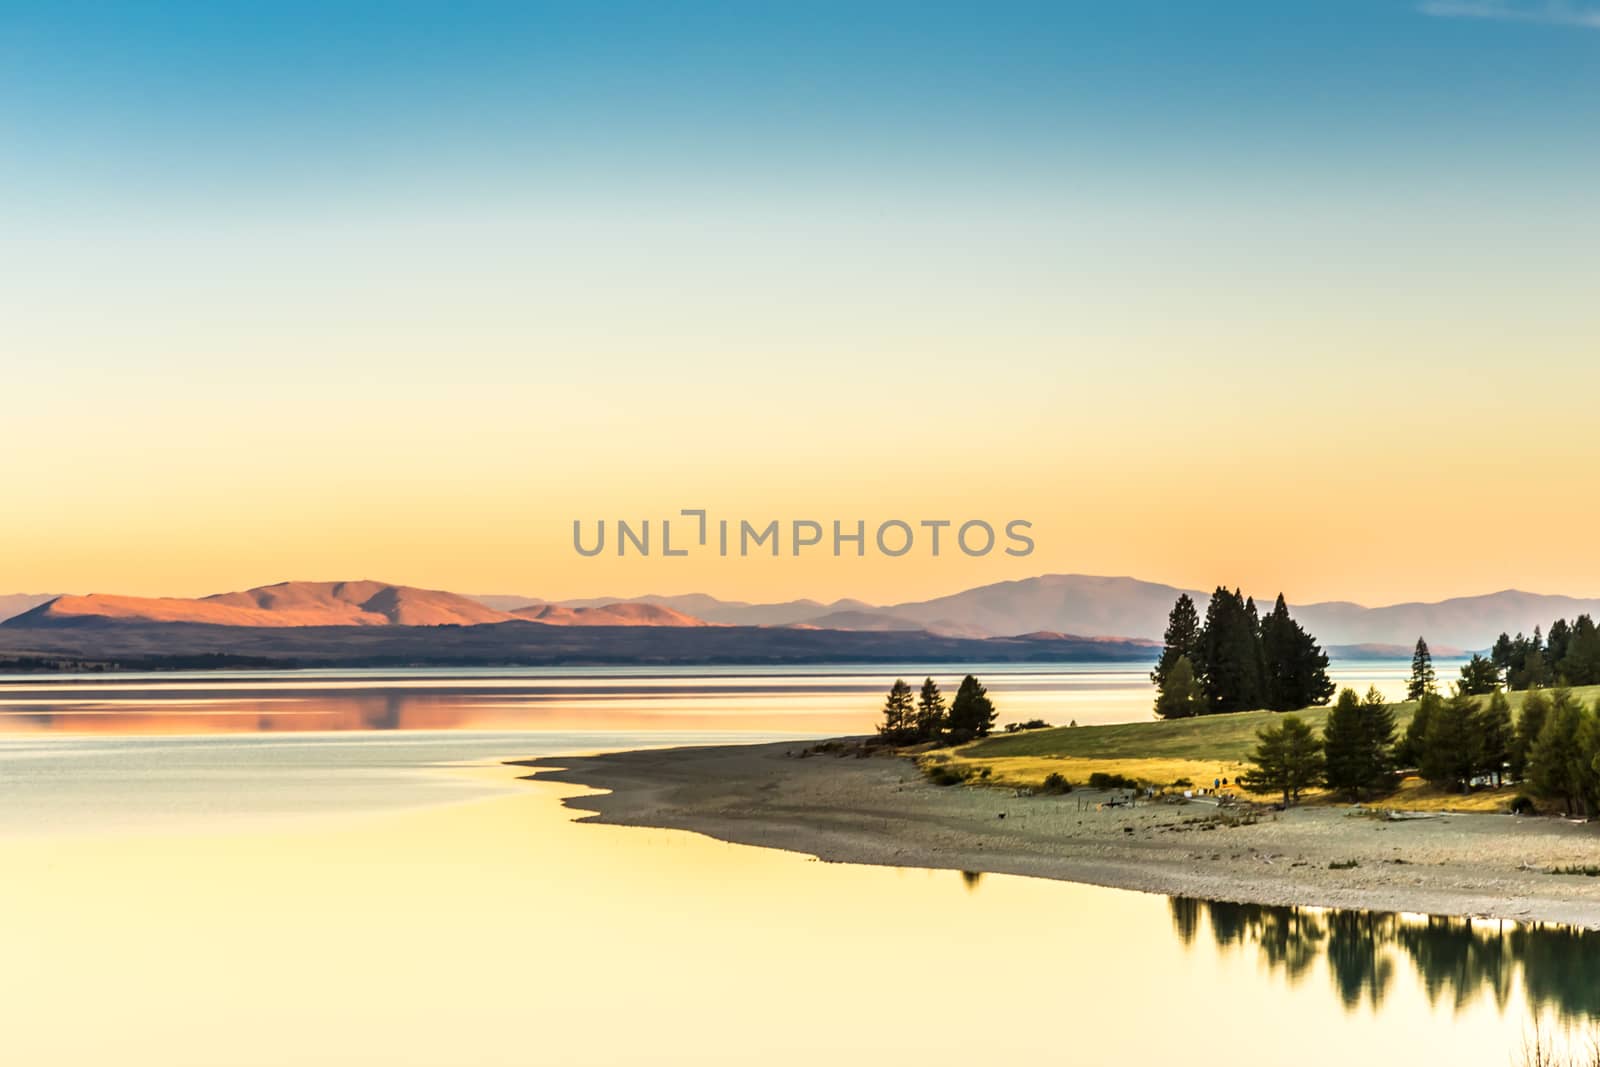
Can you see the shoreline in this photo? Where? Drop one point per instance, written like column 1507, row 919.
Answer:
column 881, row 811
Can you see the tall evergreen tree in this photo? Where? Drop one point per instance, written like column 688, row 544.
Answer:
column 972, row 713
column 1287, row 758
column 1530, row 668
column 1182, row 639
column 1452, row 748
column 1230, row 647
column 1500, row 656
column 1579, row 663
column 1356, row 739
column 1536, row 670
column 1422, row 676
column 1530, row 723
column 1558, row 766
column 899, row 714
column 1478, row 677
column 1557, row 644
column 1497, row 736
column 930, row 711
column 1294, row 667
column 1181, row 696
column 1410, row 750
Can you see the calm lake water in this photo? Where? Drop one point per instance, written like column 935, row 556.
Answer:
column 340, row 896
column 794, row 700
column 405, row 899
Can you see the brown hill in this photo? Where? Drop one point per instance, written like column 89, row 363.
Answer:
column 631, row 614
column 286, row 604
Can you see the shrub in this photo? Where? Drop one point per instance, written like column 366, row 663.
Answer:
column 1106, row 780
column 1343, row 865
column 1522, row 804
column 1031, row 724
column 1056, row 784
column 1587, row 870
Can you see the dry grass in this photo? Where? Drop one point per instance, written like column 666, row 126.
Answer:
column 1030, row 771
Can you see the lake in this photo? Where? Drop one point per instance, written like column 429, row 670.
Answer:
column 402, row 897
column 800, row 701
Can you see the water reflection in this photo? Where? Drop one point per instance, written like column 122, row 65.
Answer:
column 805, row 700
column 1457, row 961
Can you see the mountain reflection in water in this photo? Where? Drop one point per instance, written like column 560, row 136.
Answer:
column 1456, row 960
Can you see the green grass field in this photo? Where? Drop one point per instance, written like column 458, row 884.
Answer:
column 1210, row 737
column 1161, row 752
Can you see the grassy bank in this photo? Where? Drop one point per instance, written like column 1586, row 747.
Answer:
column 1162, row 753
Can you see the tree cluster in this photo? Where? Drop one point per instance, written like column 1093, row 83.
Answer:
column 1570, row 655
column 1354, row 756
column 909, row 720
column 1236, row 660
column 1456, row 742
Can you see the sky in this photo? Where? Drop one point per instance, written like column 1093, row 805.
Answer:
column 1289, row 295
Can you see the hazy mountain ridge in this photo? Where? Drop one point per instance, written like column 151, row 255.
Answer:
column 1084, row 607
column 1099, row 606
column 328, row 604
column 13, row 604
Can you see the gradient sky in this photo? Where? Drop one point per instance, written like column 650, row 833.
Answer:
column 1295, row 295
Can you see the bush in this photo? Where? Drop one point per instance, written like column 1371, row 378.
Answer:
column 1031, row 724
column 1522, row 804
column 1105, row 780
column 1343, row 865
column 1182, row 783
column 1055, row 784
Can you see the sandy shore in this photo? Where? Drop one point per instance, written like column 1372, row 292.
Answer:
column 881, row 811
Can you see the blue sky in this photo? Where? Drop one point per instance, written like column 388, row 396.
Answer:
column 538, row 261
column 174, row 100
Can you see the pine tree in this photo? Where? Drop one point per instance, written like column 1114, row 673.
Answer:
column 1230, row 648
column 1181, row 696
column 972, row 713
column 1558, row 766
column 1535, row 710
column 1409, row 753
column 1288, row 759
column 1535, row 670
column 1501, row 656
column 1181, row 639
column 1497, row 736
column 899, row 714
column 1452, row 748
column 1478, row 677
column 1422, row 677
column 930, row 711
column 1357, row 738
column 1580, row 662
column 1294, row 667
column 1557, row 644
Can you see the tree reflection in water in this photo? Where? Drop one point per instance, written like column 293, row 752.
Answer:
column 1456, row 960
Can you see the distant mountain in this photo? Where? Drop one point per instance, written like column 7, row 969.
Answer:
column 1087, row 607
column 1094, row 606
column 609, row 615
column 363, row 603
column 1470, row 622
column 733, row 612
column 16, row 603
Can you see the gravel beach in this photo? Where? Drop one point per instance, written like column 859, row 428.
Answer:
column 880, row 810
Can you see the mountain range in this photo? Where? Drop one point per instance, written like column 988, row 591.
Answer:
column 1095, row 606
column 1080, row 607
